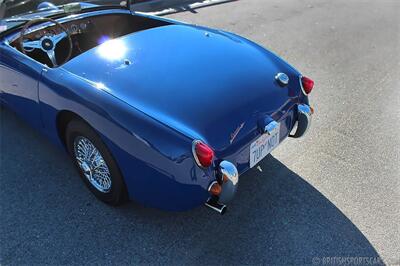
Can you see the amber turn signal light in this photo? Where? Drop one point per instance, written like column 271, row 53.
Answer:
column 225, row 178
column 215, row 188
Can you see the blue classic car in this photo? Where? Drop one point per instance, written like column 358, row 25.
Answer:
column 150, row 109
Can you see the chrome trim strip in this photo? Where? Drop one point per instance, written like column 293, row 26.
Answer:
column 210, row 186
column 301, row 85
column 194, row 143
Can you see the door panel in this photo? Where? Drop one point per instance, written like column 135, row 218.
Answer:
column 19, row 84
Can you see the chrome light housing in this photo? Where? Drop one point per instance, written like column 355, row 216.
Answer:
column 282, row 79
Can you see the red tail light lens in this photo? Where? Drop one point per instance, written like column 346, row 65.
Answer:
column 308, row 84
column 202, row 153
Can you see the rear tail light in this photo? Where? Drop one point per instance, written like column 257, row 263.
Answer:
column 202, row 153
column 308, row 85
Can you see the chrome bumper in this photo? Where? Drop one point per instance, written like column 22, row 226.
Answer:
column 304, row 115
column 228, row 178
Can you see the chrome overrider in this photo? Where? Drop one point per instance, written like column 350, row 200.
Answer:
column 228, row 176
column 304, row 115
column 271, row 127
column 230, row 179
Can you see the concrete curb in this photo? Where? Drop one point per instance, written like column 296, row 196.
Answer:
column 164, row 7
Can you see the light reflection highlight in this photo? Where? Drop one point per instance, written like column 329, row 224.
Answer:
column 100, row 86
column 112, row 49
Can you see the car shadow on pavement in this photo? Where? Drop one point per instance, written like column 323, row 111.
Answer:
column 48, row 216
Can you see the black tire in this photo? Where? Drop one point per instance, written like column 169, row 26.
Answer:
column 118, row 193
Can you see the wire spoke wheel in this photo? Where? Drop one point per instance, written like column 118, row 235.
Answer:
column 92, row 164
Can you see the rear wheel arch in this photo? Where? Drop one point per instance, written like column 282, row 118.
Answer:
column 67, row 119
column 64, row 117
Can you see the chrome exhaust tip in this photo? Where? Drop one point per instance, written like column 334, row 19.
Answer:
column 214, row 205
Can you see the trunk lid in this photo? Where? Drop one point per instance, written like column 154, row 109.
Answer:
column 208, row 84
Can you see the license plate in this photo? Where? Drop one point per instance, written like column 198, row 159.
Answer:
column 263, row 146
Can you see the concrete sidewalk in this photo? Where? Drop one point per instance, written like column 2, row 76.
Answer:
column 164, row 7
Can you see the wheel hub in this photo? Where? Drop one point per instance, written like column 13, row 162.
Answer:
column 92, row 164
column 85, row 167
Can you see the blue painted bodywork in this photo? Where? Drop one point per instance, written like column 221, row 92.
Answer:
column 183, row 82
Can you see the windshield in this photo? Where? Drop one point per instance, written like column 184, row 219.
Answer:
column 10, row 8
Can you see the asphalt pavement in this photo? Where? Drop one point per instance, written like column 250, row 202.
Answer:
column 330, row 197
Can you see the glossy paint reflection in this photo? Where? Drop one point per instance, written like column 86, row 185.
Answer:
column 112, row 50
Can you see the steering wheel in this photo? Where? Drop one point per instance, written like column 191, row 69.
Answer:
column 46, row 43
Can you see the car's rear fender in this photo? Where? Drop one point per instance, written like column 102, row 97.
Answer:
column 155, row 160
